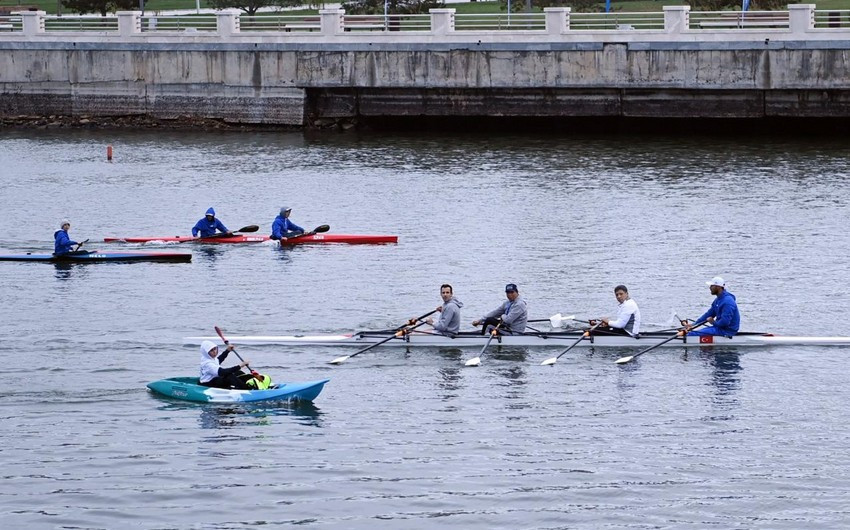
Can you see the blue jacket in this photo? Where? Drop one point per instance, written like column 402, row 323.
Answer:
column 282, row 226
column 63, row 243
column 724, row 309
column 207, row 228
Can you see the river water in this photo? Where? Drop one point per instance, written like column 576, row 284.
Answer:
column 413, row 439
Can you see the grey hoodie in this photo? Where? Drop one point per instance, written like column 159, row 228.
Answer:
column 449, row 323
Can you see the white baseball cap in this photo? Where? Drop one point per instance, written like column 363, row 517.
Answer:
column 718, row 281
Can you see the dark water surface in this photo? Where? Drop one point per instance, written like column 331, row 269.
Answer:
column 751, row 438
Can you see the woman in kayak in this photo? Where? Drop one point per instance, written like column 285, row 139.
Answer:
column 207, row 226
column 63, row 243
column 212, row 374
column 283, row 228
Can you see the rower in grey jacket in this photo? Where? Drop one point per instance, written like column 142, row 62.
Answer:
column 513, row 314
column 449, row 322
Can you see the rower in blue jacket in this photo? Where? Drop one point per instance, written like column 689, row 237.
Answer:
column 723, row 314
column 63, row 243
column 207, row 226
column 283, row 228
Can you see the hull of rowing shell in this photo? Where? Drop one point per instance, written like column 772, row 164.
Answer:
column 99, row 257
column 315, row 239
column 557, row 339
column 188, row 389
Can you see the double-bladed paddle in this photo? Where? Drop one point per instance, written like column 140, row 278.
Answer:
column 398, row 332
column 318, row 230
column 679, row 334
column 244, row 229
column 475, row 361
column 80, row 244
column 583, row 336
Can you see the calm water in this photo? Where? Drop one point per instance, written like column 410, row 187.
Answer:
column 730, row 439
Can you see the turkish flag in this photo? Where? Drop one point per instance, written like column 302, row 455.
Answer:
column 706, row 339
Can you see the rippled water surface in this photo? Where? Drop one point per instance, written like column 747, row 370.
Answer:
column 413, row 439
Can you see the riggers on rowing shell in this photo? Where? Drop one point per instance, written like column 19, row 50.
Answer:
column 559, row 339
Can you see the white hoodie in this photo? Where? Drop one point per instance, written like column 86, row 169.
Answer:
column 209, row 365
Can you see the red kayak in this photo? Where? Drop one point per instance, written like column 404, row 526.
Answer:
column 311, row 239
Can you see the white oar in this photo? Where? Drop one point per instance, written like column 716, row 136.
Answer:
column 679, row 334
column 557, row 321
column 400, row 332
column 583, row 336
column 475, row 361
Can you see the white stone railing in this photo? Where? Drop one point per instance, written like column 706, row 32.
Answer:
column 800, row 21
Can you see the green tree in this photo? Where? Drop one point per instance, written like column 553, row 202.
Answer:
column 99, row 6
column 401, row 7
column 250, row 7
column 578, row 6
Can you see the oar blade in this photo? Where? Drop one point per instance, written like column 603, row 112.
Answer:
column 624, row 360
column 549, row 361
column 249, row 228
column 321, row 228
column 339, row 360
column 475, row 361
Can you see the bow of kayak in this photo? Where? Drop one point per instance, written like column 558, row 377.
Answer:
column 188, row 389
column 97, row 256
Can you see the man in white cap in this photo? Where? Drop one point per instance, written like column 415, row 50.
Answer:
column 723, row 314
column 62, row 241
column 283, row 228
column 212, row 374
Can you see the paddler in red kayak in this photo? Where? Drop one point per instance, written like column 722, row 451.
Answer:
column 63, row 243
column 283, row 228
column 207, row 226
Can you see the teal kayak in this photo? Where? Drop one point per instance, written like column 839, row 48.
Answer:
column 187, row 388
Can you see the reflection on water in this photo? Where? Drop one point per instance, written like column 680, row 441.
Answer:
column 208, row 253
column 248, row 415
column 726, row 373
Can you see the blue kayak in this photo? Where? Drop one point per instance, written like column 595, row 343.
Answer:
column 97, row 256
column 187, row 388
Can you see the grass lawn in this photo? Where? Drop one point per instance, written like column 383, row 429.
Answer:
column 51, row 6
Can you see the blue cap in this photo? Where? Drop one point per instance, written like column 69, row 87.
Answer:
column 511, row 287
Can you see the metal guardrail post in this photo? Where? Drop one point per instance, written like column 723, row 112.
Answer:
column 442, row 21
column 801, row 17
column 32, row 22
column 129, row 22
column 227, row 22
column 332, row 21
column 557, row 19
column 677, row 19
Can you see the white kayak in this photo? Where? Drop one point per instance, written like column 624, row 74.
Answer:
column 560, row 339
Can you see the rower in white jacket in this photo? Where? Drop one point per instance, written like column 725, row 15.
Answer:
column 628, row 314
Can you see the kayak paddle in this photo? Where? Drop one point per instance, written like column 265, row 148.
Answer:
column 584, row 335
column 244, row 229
column 227, row 343
column 80, row 244
column 318, row 230
column 475, row 361
column 399, row 332
column 679, row 334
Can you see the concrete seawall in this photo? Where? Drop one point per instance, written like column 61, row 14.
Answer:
column 288, row 79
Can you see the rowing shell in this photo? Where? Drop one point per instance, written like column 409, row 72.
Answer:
column 557, row 339
column 315, row 239
column 98, row 257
